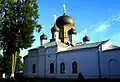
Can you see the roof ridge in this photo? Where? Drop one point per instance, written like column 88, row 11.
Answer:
column 102, row 41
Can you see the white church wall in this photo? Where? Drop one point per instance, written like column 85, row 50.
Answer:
column 25, row 69
column 56, row 36
column 87, row 60
column 87, row 63
column 50, row 58
column 33, row 52
column 106, row 45
column 72, row 38
column 35, row 58
column 43, row 42
column 32, row 60
column 41, row 65
column 109, row 68
column 51, row 50
column 41, row 50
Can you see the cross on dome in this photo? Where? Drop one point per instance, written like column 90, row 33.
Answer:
column 85, row 31
column 64, row 8
column 55, row 17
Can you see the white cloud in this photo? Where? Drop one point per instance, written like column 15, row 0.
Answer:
column 115, row 18
column 102, row 27
column 115, row 36
column 106, row 24
column 98, row 28
column 115, row 39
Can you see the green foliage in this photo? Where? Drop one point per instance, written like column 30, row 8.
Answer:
column 1, row 65
column 5, row 64
column 1, row 57
column 39, row 28
column 19, row 64
column 18, row 19
column 18, row 23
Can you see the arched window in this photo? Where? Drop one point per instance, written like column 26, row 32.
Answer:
column 51, row 68
column 74, row 67
column 113, row 67
column 62, row 68
column 34, row 68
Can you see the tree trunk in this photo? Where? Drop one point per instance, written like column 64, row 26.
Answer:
column 14, row 57
column 12, row 74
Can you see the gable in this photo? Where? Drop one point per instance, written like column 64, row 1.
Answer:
column 107, row 45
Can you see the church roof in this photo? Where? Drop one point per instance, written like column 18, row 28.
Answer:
column 55, row 28
column 82, row 46
column 114, row 49
column 86, row 46
column 43, row 36
column 51, row 44
column 72, row 31
column 33, row 49
column 55, row 43
column 86, row 38
column 64, row 19
column 114, row 46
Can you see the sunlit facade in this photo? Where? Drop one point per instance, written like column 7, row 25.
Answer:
column 62, row 57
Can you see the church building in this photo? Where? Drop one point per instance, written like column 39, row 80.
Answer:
column 63, row 57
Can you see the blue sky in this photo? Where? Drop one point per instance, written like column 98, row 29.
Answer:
column 99, row 19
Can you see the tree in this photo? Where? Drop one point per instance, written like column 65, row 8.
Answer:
column 1, row 65
column 5, row 62
column 19, row 18
column 19, row 64
column 6, row 65
column 1, row 57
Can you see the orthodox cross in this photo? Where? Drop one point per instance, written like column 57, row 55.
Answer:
column 85, row 31
column 64, row 8
column 55, row 17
